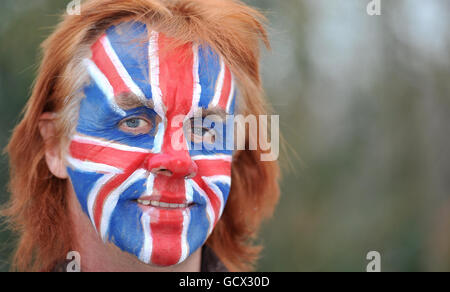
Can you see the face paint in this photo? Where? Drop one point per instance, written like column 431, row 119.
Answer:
column 140, row 192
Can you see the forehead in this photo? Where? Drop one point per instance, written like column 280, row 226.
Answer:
column 131, row 58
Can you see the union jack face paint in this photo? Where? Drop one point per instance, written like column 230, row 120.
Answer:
column 141, row 193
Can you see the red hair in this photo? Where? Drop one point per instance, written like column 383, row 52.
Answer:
column 38, row 208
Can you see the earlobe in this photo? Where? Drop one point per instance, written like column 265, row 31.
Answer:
column 53, row 157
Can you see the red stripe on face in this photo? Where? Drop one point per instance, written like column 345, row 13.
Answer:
column 105, row 155
column 176, row 76
column 208, row 168
column 212, row 196
column 105, row 64
column 103, row 195
column 226, row 89
column 176, row 82
column 213, row 167
column 166, row 234
column 125, row 160
column 170, row 190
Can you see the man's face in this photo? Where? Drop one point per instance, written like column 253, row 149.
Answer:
column 142, row 190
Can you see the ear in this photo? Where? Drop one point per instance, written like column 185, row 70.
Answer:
column 53, row 157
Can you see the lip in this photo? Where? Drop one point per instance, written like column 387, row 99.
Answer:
column 171, row 204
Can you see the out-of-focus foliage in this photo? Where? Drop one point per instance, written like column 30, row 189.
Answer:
column 364, row 104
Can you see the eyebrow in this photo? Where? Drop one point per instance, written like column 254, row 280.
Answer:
column 128, row 101
column 216, row 110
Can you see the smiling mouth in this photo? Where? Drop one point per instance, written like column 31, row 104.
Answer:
column 162, row 205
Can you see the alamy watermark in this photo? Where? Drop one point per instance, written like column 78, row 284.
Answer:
column 74, row 7
column 74, row 262
column 219, row 134
column 374, row 8
column 374, row 258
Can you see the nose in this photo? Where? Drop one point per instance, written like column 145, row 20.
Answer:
column 175, row 164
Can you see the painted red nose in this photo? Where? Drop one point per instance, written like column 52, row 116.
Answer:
column 175, row 164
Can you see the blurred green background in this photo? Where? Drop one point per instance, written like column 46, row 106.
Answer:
column 364, row 101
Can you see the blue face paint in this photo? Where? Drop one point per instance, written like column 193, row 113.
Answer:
column 151, row 200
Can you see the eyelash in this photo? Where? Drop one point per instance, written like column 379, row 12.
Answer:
column 195, row 138
column 192, row 134
column 139, row 129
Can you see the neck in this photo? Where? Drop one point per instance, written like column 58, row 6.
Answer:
column 97, row 256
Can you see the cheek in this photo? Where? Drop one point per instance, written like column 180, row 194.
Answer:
column 99, row 156
column 214, row 178
column 83, row 183
column 92, row 163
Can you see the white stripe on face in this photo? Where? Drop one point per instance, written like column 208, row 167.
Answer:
column 104, row 85
column 111, row 202
column 123, row 73
column 159, row 138
column 146, row 251
column 109, row 144
column 92, row 197
column 212, row 183
column 154, row 74
column 224, row 157
column 197, row 90
column 209, row 210
column 232, row 92
column 184, row 239
column 219, row 86
column 87, row 166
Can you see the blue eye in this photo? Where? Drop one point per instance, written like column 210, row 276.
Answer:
column 199, row 134
column 136, row 126
column 133, row 123
column 199, row 131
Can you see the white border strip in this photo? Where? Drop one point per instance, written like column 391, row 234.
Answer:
column 87, row 166
column 224, row 157
column 98, row 142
